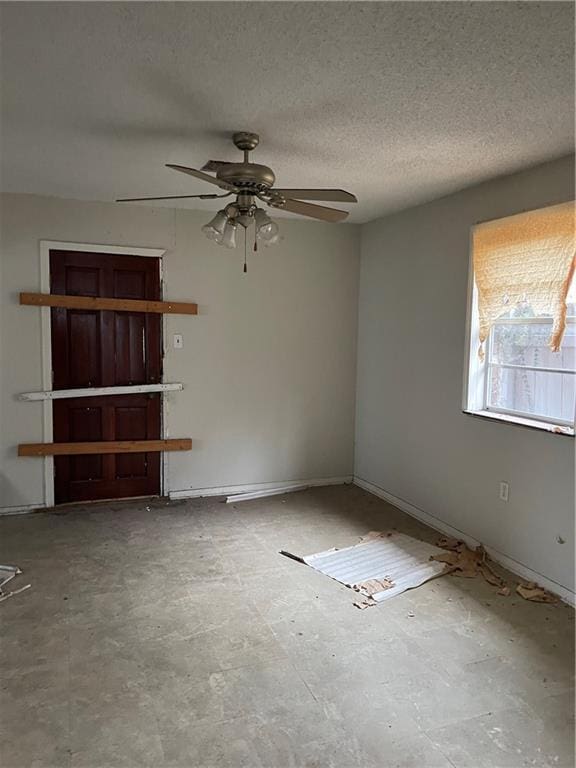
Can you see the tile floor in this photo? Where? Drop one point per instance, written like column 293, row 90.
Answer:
column 174, row 634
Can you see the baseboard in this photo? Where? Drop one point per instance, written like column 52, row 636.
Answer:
column 263, row 494
column 262, row 489
column 255, row 491
column 509, row 563
column 23, row 510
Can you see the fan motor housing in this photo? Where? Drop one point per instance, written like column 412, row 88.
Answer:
column 246, row 174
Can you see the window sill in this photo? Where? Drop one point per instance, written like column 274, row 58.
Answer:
column 544, row 426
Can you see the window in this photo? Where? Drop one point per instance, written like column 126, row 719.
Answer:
column 522, row 320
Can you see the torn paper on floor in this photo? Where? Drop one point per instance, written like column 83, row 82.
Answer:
column 7, row 572
column 381, row 566
column 531, row 591
column 469, row 563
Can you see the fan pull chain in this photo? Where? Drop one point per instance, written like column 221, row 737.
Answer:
column 245, row 241
column 255, row 238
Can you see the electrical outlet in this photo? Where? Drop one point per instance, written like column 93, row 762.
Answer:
column 178, row 341
column 504, row 491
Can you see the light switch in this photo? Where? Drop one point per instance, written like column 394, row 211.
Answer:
column 178, row 342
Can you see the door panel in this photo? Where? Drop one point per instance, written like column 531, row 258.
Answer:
column 129, row 284
column 131, row 424
column 85, row 426
column 84, row 370
column 82, row 281
column 106, row 349
column 130, row 359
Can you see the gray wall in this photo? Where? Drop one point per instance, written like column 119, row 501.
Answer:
column 412, row 439
column 268, row 366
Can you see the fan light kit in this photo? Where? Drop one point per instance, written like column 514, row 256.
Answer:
column 222, row 228
column 249, row 183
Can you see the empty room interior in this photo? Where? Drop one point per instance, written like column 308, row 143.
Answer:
column 287, row 384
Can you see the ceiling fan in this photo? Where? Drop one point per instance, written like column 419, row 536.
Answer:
column 251, row 182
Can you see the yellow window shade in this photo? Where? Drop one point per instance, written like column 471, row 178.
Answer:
column 525, row 260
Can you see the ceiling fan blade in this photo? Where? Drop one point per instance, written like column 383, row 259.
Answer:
column 213, row 165
column 202, row 176
column 314, row 211
column 168, row 197
column 331, row 195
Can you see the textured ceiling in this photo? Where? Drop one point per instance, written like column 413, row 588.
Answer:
column 396, row 102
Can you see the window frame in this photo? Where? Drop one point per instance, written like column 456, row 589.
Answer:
column 477, row 372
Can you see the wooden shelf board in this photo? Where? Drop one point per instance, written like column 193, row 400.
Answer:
column 132, row 389
column 112, row 446
column 116, row 305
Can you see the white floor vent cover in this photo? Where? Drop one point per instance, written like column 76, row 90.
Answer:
column 381, row 566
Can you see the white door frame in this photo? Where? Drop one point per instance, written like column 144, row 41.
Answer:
column 45, row 323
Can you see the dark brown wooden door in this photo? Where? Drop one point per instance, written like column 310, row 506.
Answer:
column 103, row 349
